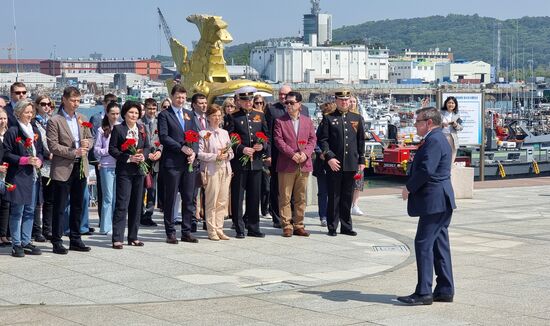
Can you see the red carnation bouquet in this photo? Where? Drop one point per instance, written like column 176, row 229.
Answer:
column 262, row 138
column 301, row 145
column 130, row 145
column 9, row 187
column 89, row 126
column 191, row 137
column 28, row 147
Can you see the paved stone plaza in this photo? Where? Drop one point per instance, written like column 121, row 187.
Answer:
column 499, row 240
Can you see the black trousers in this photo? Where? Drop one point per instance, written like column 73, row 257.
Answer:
column 129, row 201
column 74, row 187
column 182, row 181
column 44, row 210
column 4, row 217
column 160, row 190
column 151, row 199
column 251, row 182
column 265, row 190
column 340, row 192
column 274, row 195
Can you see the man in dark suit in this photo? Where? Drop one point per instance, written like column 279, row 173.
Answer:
column 430, row 195
column 247, row 122
column 69, row 143
column 18, row 92
column 342, row 141
column 150, row 122
column 273, row 112
column 176, row 156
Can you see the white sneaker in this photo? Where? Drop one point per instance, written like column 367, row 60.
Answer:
column 268, row 216
column 355, row 210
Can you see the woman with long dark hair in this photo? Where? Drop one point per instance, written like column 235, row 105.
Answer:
column 107, row 165
column 451, row 123
column 129, row 146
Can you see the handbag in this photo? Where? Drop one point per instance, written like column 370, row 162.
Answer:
column 149, row 180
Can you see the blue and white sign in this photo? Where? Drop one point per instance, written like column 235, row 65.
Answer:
column 470, row 110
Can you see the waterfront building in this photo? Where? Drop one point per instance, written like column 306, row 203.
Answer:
column 296, row 62
column 143, row 67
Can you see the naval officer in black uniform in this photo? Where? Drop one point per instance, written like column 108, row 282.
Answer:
column 342, row 141
column 247, row 122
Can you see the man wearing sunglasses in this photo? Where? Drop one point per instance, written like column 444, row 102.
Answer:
column 18, row 92
column 274, row 112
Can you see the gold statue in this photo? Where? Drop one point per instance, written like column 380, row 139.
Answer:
column 206, row 72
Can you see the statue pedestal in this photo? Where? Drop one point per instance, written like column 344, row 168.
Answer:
column 462, row 179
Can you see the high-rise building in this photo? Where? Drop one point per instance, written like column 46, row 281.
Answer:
column 317, row 26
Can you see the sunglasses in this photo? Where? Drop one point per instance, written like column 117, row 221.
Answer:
column 45, row 104
column 258, row 103
column 20, row 92
column 290, row 102
column 165, row 106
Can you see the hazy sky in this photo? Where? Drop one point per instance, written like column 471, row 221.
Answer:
column 129, row 28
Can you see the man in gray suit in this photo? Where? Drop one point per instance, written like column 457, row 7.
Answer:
column 199, row 104
column 69, row 141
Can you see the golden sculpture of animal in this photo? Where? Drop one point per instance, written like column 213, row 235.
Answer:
column 206, row 71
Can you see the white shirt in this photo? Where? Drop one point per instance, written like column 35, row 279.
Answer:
column 73, row 126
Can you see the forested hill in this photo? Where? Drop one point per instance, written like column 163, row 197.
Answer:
column 470, row 37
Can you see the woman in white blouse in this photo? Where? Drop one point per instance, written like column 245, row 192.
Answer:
column 451, row 123
column 214, row 154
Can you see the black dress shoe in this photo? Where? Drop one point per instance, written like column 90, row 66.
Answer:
column 443, row 297
column 79, row 247
column 332, row 233
column 39, row 238
column 48, row 236
column 416, row 299
column 256, row 234
column 189, row 238
column 59, row 249
column 148, row 222
column 240, row 236
column 171, row 239
column 350, row 232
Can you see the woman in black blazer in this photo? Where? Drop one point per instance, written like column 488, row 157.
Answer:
column 24, row 153
column 129, row 174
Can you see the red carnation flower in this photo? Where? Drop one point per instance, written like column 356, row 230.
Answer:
column 28, row 143
column 262, row 138
column 191, row 136
column 157, row 143
column 87, row 124
column 10, row 187
column 131, row 142
column 357, row 176
column 18, row 139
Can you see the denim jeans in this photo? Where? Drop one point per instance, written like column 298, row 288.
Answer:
column 21, row 219
column 108, row 205
column 84, row 219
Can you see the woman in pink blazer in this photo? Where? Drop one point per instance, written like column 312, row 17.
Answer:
column 214, row 154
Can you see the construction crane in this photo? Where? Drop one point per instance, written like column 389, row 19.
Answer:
column 10, row 49
column 164, row 24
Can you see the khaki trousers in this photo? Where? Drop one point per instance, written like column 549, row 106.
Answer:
column 292, row 186
column 216, row 195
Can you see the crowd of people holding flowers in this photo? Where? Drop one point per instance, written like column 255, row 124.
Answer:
column 239, row 160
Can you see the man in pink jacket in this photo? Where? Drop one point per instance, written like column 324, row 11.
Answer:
column 294, row 136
